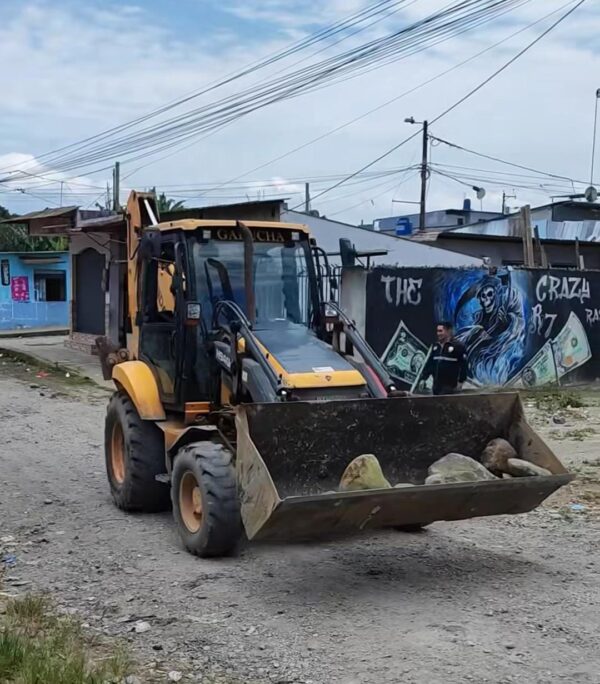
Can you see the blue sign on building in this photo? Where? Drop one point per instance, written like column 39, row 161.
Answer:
column 35, row 290
column 404, row 226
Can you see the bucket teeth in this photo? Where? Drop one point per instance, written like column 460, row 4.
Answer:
column 364, row 472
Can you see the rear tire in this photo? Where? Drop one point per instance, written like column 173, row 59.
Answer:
column 135, row 455
column 205, row 500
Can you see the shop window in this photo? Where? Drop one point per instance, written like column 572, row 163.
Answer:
column 50, row 286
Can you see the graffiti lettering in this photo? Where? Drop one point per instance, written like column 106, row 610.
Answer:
column 592, row 316
column 550, row 288
column 406, row 290
column 539, row 320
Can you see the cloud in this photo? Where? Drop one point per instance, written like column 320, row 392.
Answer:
column 42, row 187
column 294, row 14
column 77, row 69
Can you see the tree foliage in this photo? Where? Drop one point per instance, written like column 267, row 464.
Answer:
column 164, row 203
column 14, row 238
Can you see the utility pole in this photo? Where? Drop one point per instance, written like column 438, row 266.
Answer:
column 116, row 186
column 424, row 169
column 424, row 174
column 504, row 198
column 306, row 198
column 61, row 192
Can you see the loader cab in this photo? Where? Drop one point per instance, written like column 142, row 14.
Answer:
column 194, row 283
column 282, row 279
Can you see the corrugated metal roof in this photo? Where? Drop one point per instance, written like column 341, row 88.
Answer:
column 45, row 213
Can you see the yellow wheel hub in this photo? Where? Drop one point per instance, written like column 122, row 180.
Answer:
column 190, row 502
column 117, row 453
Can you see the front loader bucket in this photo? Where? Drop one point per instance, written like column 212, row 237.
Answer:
column 291, row 456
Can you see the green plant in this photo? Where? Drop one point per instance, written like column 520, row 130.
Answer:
column 556, row 400
column 39, row 647
column 15, row 238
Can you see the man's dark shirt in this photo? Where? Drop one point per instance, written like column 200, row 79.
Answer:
column 448, row 366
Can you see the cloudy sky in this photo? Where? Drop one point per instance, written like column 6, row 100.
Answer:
column 72, row 69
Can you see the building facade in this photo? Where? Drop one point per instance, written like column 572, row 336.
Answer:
column 35, row 290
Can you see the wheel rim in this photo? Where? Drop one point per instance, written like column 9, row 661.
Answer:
column 190, row 502
column 117, row 453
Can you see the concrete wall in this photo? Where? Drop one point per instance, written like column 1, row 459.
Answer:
column 15, row 315
column 353, row 296
column 400, row 252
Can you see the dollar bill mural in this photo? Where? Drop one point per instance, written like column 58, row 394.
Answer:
column 405, row 355
column 520, row 328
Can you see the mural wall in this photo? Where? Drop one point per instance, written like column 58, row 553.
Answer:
column 521, row 328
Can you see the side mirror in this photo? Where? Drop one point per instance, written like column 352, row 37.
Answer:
column 149, row 245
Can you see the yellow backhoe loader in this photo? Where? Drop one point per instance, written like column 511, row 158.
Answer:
column 241, row 397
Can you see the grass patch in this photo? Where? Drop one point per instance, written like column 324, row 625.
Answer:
column 577, row 435
column 556, row 400
column 39, row 647
column 26, row 367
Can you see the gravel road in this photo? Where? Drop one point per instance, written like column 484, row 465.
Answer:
column 496, row 600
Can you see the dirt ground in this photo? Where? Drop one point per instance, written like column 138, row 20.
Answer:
column 490, row 600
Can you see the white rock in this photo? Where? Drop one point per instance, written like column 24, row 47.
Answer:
column 141, row 627
column 520, row 468
column 175, row 676
column 132, row 679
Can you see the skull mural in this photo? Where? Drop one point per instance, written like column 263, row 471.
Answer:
column 495, row 336
column 487, row 298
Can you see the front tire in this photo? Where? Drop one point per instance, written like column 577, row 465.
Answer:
column 135, row 455
column 205, row 500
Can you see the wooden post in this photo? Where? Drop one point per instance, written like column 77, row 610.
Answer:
column 527, row 237
column 523, row 238
column 543, row 257
column 578, row 257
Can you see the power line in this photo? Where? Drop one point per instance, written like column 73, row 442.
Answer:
column 442, row 25
column 470, row 181
column 462, row 99
column 298, row 46
column 375, row 109
column 503, row 161
column 388, row 188
column 540, row 175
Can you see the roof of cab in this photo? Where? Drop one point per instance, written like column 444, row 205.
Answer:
column 195, row 224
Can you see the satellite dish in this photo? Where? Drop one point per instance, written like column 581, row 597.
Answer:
column 591, row 194
column 480, row 193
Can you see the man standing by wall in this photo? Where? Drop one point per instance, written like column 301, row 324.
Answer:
column 447, row 362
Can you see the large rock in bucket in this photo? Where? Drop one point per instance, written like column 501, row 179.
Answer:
column 364, row 472
column 454, row 468
column 496, row 454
